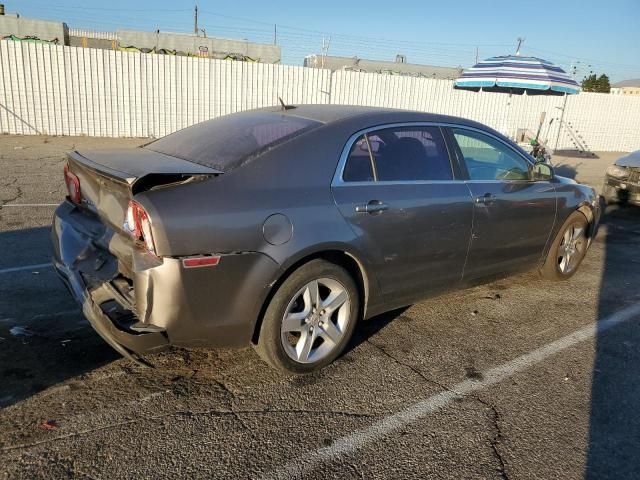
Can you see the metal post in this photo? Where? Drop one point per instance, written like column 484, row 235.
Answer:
column 564, row 107
column 195, row 21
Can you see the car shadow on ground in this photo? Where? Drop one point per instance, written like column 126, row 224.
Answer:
column 614, row 424
column 370, row 327
column 44, row 340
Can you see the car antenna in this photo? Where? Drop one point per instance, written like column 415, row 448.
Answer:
column 284, row 106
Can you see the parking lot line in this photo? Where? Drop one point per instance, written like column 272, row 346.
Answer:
column 360, row 438
column 26, row 267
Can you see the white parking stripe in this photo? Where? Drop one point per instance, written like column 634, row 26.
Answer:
column 307, row 461
column 26, row 267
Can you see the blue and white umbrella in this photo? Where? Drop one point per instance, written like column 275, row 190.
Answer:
column 516, row 74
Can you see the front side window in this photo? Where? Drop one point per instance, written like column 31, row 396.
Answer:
column 488, row 159
column 399, row 154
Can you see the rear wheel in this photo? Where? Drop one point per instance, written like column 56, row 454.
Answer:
column 568, row 249
column 310, row 319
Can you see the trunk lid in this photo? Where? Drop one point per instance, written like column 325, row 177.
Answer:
column 110, row 178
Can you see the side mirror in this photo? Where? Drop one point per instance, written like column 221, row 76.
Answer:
column 541, row 171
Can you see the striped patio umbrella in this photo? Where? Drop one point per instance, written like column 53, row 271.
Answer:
column 517, row 75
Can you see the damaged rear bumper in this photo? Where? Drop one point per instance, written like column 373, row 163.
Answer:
column 121, row 287
column 96, row 305
column 87, row 270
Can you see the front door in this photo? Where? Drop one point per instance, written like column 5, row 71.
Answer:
column 413, row 217
column 513, row 215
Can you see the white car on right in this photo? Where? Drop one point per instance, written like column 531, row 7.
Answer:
column 622, row 180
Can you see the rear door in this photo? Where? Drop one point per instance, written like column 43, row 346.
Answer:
column 396, row 187
column 513, row 214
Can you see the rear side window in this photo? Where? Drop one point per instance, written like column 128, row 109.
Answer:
column 399, row 154
column 227, row 142
column 359, row 164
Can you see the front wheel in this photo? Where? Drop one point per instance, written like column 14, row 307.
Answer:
column 568, row 249
column 310, row 319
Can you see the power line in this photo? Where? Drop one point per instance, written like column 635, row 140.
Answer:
column 304, row 41
column 364, row 38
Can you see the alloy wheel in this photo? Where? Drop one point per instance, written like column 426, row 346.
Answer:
column 315, row 320
column 572, row 248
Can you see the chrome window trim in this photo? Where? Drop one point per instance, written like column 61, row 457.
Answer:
column 337, row 176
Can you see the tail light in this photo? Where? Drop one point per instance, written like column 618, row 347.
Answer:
column 138, row 224
column 73, row 184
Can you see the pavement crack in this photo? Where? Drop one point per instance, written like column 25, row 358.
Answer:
column 13, row 185
column 415, row 370
column 498, row 436
column 185, row 413
column 356, row 470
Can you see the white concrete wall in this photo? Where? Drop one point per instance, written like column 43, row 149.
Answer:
column 190, row 44
column 22, row 27
column 58, row 90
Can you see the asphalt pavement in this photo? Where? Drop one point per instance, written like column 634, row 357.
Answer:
column 517, row 379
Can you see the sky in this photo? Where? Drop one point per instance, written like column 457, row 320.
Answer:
column 594, row 36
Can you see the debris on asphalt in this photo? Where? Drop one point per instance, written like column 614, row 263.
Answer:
column 493, row 296
column 474, row 313
column 49, row 425
column 20, row 331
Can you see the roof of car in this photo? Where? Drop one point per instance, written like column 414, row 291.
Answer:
column 334, row 113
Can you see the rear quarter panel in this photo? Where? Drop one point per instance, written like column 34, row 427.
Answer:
column 226, row 214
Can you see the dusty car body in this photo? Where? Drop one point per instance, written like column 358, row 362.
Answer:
column 188, row 240
column 622, row 180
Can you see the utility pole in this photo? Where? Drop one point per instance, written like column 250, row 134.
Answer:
column 195, row 20
column 275, row 34
column 477, row 55
column 325, row 49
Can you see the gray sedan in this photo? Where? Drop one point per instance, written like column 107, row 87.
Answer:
column 281, row 228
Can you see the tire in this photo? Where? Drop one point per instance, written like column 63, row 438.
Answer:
column 323, row 336
column 558, row 265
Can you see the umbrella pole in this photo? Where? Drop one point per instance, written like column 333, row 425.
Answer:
column 564, row 107
column 505, row 124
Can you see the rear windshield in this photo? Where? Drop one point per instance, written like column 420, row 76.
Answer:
column 227, row 142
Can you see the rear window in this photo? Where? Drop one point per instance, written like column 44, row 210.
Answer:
column 227, row 142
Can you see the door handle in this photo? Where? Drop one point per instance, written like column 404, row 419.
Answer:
column 486, row 199
column 374, row 206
